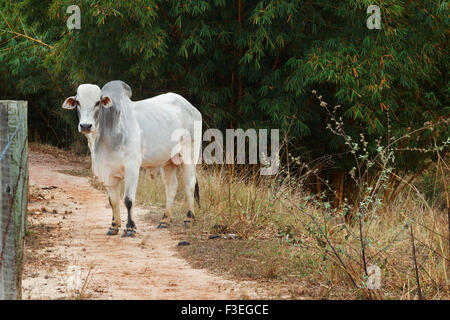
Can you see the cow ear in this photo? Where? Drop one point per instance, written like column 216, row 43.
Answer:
column 70, row 103
column 106, row 102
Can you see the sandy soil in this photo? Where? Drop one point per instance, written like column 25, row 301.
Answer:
column 69, row 256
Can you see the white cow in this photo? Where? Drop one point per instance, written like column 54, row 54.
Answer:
column 125, row 135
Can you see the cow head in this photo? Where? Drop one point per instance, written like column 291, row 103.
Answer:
column 88, row 102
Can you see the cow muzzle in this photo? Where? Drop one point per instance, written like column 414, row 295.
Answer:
column 85, row 128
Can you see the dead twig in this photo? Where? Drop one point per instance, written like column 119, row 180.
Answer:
column 29, row 38
column 419, row 291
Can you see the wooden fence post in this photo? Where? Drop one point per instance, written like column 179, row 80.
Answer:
column 13, row 195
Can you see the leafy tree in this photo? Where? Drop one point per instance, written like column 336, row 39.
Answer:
column 242, row 63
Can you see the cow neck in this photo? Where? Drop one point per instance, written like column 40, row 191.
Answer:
column 111, row 130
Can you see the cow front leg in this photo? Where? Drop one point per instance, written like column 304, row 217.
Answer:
column 169, row 174
column 130, row 231
column 131, row 182
column 114, row 201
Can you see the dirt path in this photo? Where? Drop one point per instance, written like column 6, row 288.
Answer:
column 69, row 256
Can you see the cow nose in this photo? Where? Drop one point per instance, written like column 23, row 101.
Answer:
column 85, row 127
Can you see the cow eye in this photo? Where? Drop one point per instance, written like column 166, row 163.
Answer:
column 97, row 104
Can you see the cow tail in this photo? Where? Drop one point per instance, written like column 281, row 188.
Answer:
column 197, row 193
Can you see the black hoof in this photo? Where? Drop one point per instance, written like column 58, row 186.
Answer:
column 163, row 225
column 190, row 215
column 129, row 233
column 112, row 231
column 188, row 223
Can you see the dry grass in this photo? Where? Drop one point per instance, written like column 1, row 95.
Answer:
column 280, row 238
column 277, row 242
column 67, row 155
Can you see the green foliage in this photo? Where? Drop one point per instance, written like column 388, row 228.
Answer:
column 242, row 63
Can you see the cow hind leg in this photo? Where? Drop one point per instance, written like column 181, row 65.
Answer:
column 114, row 201
column 191, row 191
column 169, row 174
column 131, row 182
